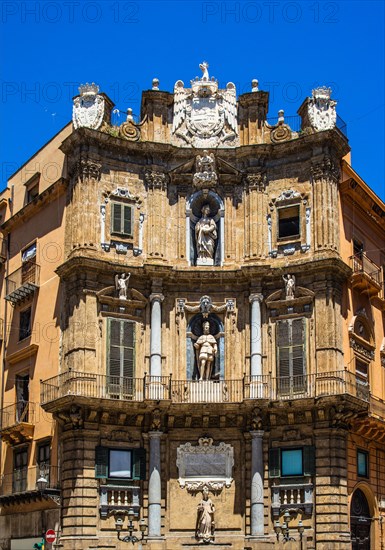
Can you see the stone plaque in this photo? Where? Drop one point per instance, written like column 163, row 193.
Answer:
column 205, row 465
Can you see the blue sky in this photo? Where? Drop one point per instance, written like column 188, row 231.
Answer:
column 50, row 47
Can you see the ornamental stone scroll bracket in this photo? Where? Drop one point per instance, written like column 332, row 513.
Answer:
column 205, row 466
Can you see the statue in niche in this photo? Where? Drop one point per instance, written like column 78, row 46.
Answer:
column 289, row 286
column 121, row 283
column 207, row 349
column 205, row 519
column 205, row 235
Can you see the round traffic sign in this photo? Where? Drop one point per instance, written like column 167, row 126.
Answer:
column 50, row 536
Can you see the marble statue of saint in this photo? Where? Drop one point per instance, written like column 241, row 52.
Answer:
column 205, row 522
column 207, row 349
column 121, row 283
column 206, row 235
column 289, row 286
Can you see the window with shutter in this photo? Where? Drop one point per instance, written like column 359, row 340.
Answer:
column 291, row 355
column 121, row 219
column 275, row 462
column 120, row 463
column 121, row 356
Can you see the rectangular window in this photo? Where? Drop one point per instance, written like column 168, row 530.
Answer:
column 120, row 463
column 362, row 370
column 22, row 398
column 121, row 356
column 32, row 188
column 288, row 222
column 291, row 355
column 20, row 470
column 25, row 323
column 284, row 462
column 121, row 219
column 291, row 462
column 43, row 458
column 28, row 268
column 363, row 463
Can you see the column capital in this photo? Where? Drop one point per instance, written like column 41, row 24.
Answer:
column 156, row 296
column 256, row 433
column 256, row 297
column 155, row 434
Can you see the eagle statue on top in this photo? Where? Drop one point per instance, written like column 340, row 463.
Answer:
column 205, row 116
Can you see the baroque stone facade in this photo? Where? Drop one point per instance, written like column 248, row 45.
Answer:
column 207, row 329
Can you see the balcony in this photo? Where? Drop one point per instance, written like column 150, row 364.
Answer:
column 289, row 496
column 156, row 388
column 22, row 283
column 366, row 277
column 18, row 422
column 20, row 485
column 118, row 497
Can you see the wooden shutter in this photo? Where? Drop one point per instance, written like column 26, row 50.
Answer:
column 308, row 460
column 127, row 222
column 139, row 464
column 297, row 340
column 101, row 462
column 291, row 352
column 283, row 342
column 116, row 217
column 274, row 462
column 121, row 348
column 121, row 218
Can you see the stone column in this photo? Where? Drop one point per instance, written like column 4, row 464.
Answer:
column 257, row 511
column 256, row 335
column 156, row 334
column 154, row 486
column 325, row 176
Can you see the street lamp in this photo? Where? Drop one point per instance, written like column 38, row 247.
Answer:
column 119, row 521
column 284, row 528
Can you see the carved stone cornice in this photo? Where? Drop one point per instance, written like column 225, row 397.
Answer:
column 327, row 168
column 156, row 180
column 362, row 350
column 88, row 169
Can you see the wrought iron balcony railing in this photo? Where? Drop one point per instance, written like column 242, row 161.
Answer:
column 366, row 274
column 97, row 386
column 23, row 282
column 24, row 479
column 18, row 413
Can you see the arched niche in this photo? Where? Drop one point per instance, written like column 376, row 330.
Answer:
column 194, row 206
column 194, row 330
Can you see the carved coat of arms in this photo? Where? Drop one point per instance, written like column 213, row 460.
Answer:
column 88, row 107
column 322, row 109
column 205, row 116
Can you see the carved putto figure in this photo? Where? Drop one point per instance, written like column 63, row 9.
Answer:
column 121, row 284
column 206, row 235
column 322, row 109
column 205, row 520
column 206, row 349
column 289, row 286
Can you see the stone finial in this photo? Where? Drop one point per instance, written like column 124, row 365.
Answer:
column 155, row 84
column 129, row 115
column 281, row 116
column 254, row 85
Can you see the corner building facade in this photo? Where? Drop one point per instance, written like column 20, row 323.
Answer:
column 193, row 320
